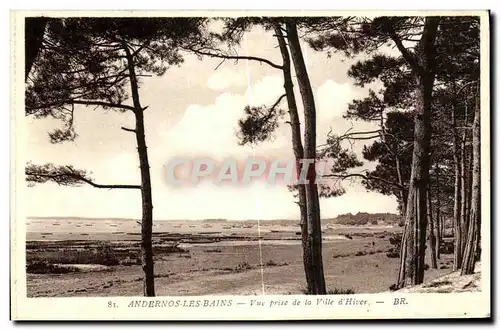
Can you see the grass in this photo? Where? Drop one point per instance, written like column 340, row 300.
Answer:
column 42, row 267
column 333, row 291
column 102, row 254
column 45, row 258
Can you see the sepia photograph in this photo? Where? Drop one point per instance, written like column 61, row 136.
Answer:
column 220, row 156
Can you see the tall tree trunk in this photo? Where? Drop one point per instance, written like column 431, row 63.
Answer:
column 34, row 29
column 469, row 166
column 432, row 236
column 313, row 208
column 298, row 151
column 463, row 193
column 457, row 228
column 439, row 237
column 474, row 232
column 411, row 269
column 442, row 227
column 402, row 193
column 147, row 202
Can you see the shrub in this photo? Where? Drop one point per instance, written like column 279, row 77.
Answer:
column 214, row 250
column 131, row 261
column 392, row 254
column 334, row 291
column 43, row 267
column 100, row 254
column 341, row 291
column 447, row 247
column 242, row 267
column 393, row 287
column 168, row 249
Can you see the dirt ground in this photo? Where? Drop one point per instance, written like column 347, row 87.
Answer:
column 229, row 264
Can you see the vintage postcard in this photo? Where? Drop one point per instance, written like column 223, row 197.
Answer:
column 250, row 165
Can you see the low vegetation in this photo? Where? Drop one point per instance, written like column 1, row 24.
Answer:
column 333, row 291
column 54, row 257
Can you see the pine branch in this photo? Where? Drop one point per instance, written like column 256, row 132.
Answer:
column 85, row 102
column 66, row 175
column 236, row 57
column 366, row 177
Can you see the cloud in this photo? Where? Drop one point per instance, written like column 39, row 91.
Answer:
column 224, row 78
column 333, row 98
column 210, row 130
column 265, row 91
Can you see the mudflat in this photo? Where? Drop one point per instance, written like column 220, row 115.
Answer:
column 100, row 257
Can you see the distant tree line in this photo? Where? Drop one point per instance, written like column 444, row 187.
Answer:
column 363, row 218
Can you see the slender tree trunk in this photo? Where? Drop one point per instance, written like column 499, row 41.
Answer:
column 298, row 151
column 432, row 236
column 147, row 202
column 442, row 227
column 411, row 269
column 470, row 165
column 313, row 208
column 474, row 232
column 439, row 233
column 457, row 228
column 463, row 193
column 402, row 192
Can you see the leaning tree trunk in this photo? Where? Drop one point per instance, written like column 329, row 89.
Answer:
column 313, row 208
column 411, row 268
column 457, row 228
column 473, row 235
column 147, row 202
column 298, row 151
column 432, row 236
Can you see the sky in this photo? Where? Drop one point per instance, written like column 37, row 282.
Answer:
column 194, row 111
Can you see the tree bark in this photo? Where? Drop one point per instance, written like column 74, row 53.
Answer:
column 402, row 193
column 463, row 191
column 411, row 270
column 313, row 207
column 474, row 232
column 457, row 228
column 147, row 202
column 298, row 151
column 432, row 236
column 439, row 233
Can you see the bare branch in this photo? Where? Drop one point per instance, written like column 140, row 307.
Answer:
column 236, row 57
column 128, row 129
column 104, row 104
